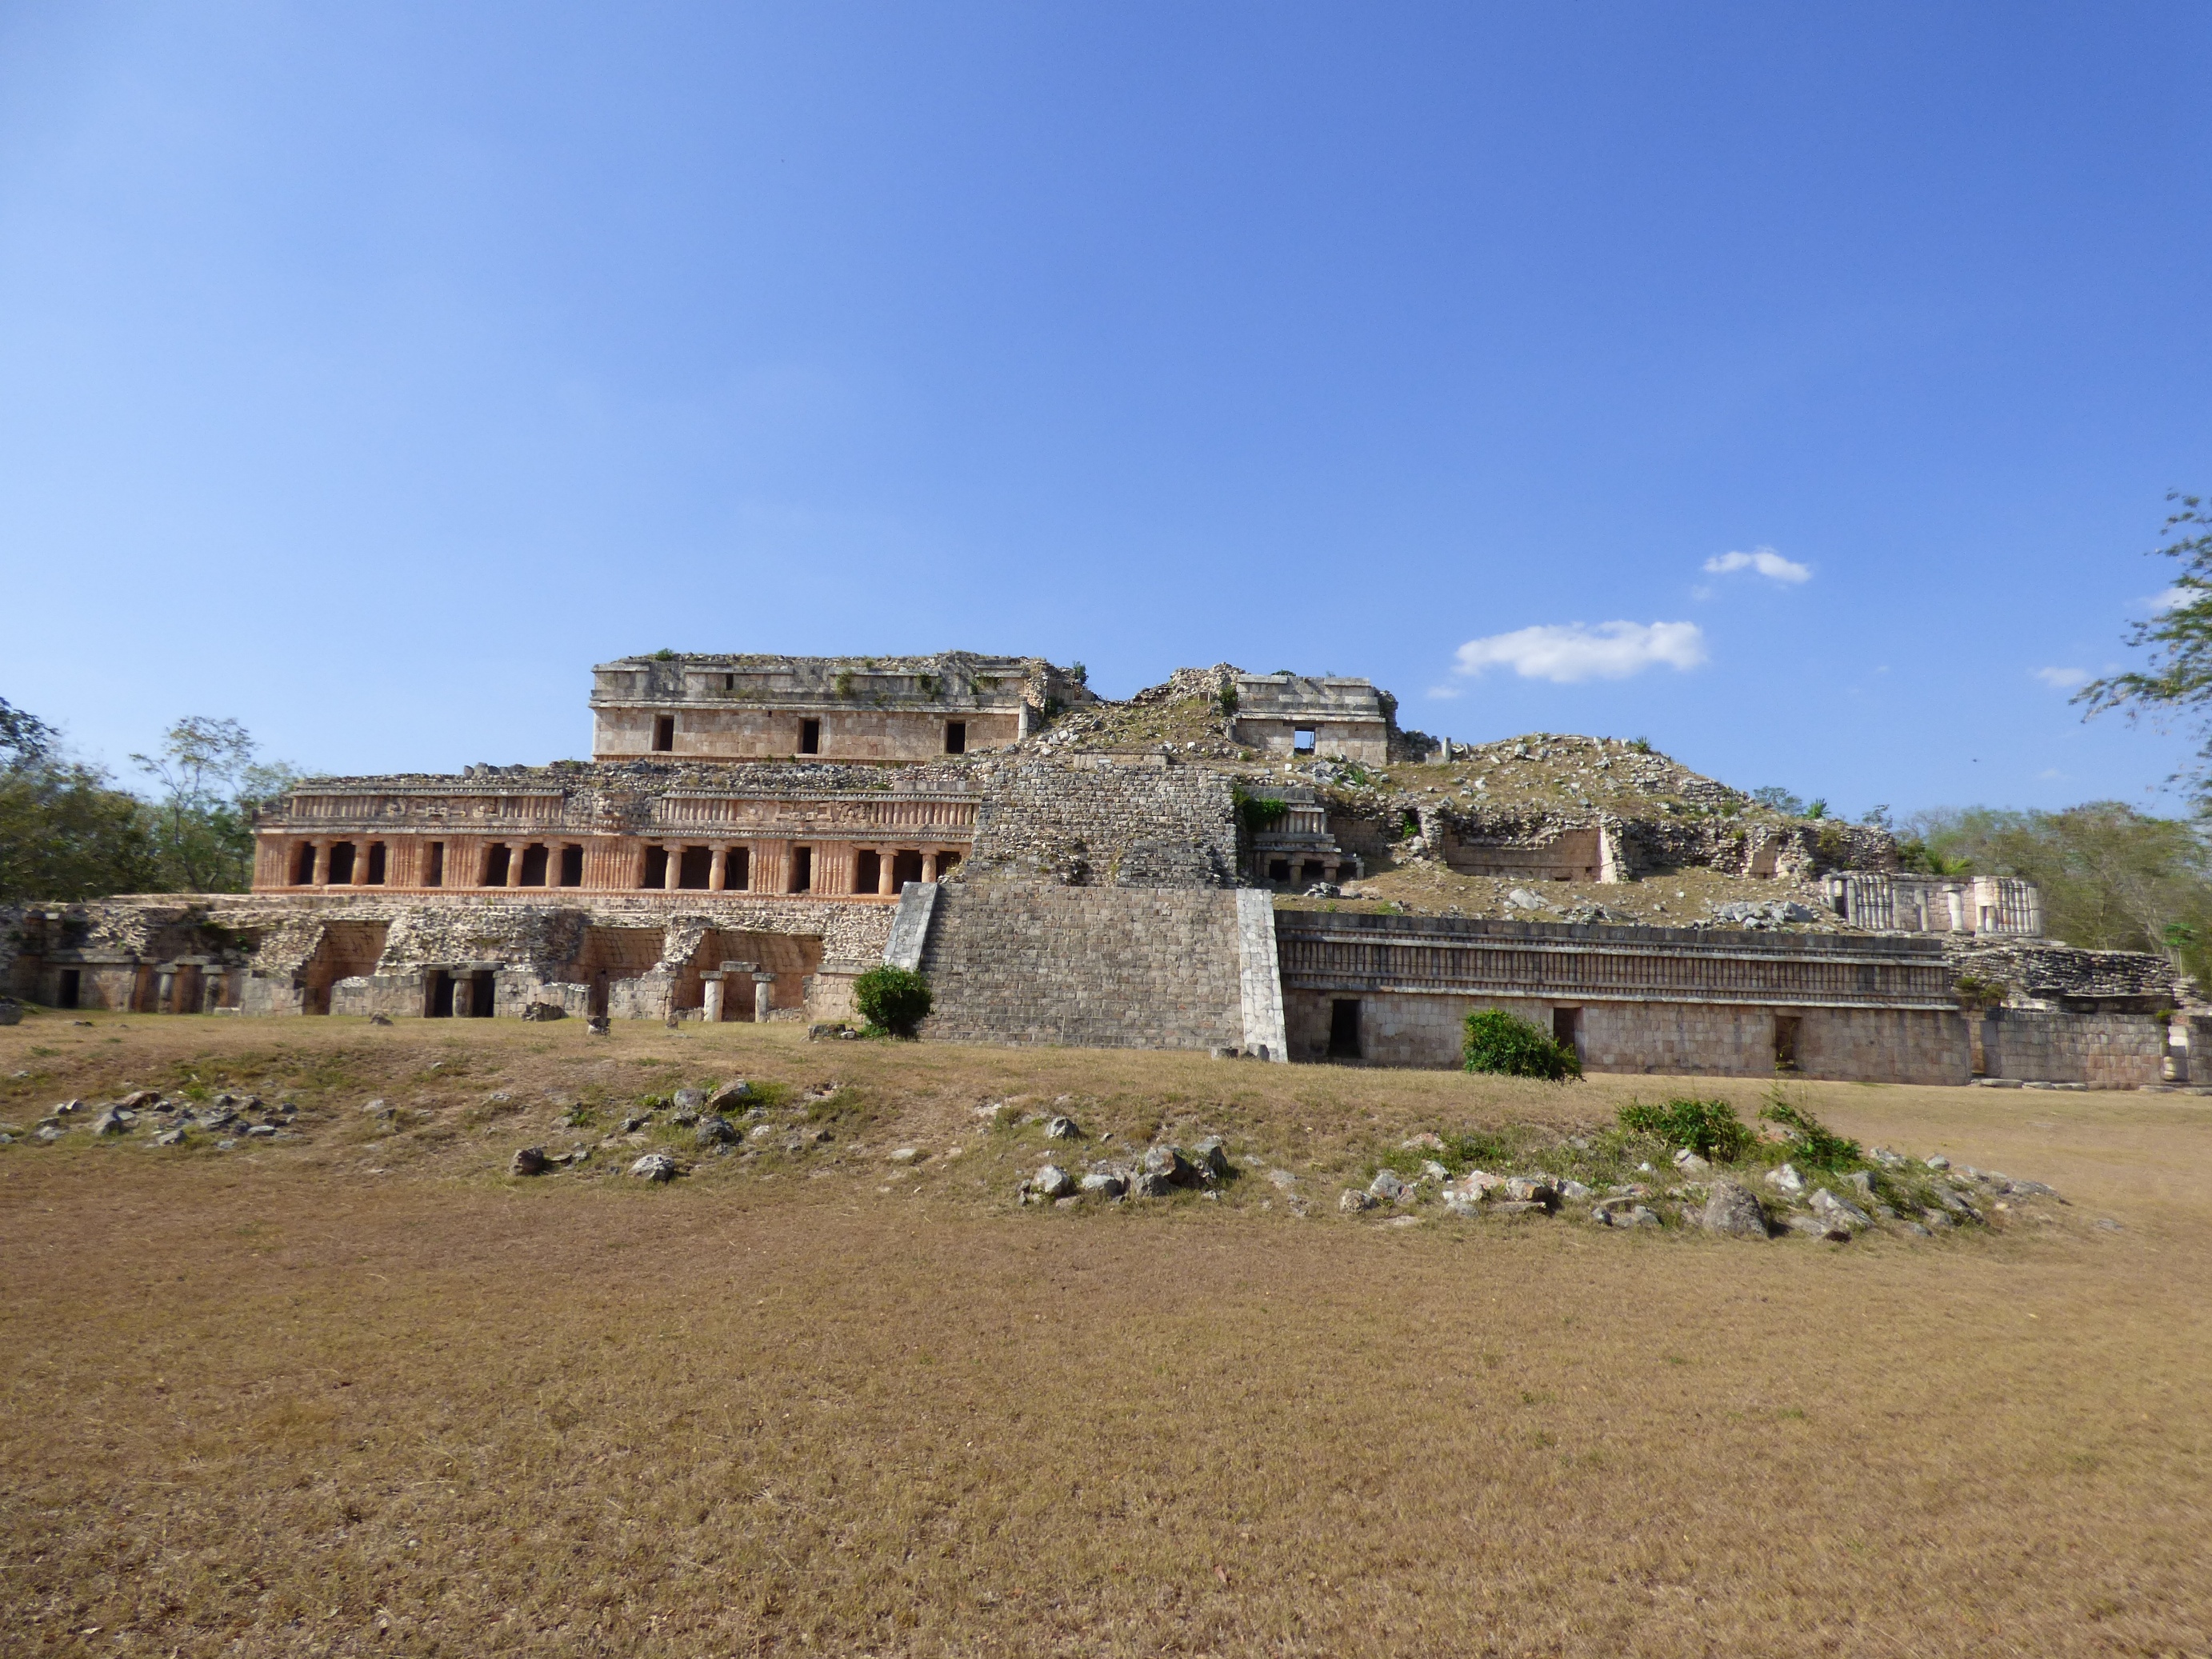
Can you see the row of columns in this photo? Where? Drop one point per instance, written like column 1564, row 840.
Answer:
column 717, row 874
column 319, row 874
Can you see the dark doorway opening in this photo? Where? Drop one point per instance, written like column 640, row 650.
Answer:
column 1309, row 873
column 1302, row 740
column 438, row 995
column 480, row 990
column 738, row 872
column 656, row 867
column 697, row 867
column 1785, row 1041
column 867, row 872
column 496, row 858
column 802, row 869
column 303, row 866
column 905, row 867
column 809, row 737
column 433, row 868
column 956, row 737
column 572, row 866
column 599, row 984
column 341, row 873
column 1278, row 869
column 1567, row 1029
column 535, row 858
column 1344, row 1028
column 664, row 734
column 69, row 988
column 376, row 864
column 944, row 863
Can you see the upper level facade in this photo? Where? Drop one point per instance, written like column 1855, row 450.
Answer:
column 897, row 709
column 1330, row 717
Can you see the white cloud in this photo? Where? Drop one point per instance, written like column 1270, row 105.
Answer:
column 2172, row 599
column 2063, row 679
column 1765, row 560
column 1447, row 692
column 1565, row 653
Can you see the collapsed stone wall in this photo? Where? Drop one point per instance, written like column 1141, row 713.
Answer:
column 1103, row 824
column 2035, row 975
column 264, row 951
column 1024, row 964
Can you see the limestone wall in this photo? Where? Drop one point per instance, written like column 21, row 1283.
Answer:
column 2044, row 1045
column 1105, row 968
column 1866, row 1045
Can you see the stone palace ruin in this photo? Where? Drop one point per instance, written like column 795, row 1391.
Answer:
column 1263, row 864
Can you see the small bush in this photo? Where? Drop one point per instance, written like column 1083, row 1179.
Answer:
column 1499, row 1042
column 894, row 999
column 1710, row 1129
column 1812, row 1142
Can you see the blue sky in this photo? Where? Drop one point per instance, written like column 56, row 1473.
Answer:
column 367, row 372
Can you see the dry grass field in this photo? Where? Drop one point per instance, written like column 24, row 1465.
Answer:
column 356, row 1390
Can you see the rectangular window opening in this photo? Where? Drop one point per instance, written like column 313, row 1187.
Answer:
column 696, row 868
column 956, row 737
column 867, row 872
column 802, row 869
column 738, row 877
column 341, row 865
column 656, row 867
column 664, row 734
column 572, row 866
column 1302, row 740
column 535, row 858
column 496, row 858
column 1344, row 1028
column 434, row 867
column 905, row 867
column 303, row 866
column 809, row 737
column 376, row 864
column 729, row 682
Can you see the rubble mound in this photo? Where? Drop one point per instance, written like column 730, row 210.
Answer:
column 1189, row 713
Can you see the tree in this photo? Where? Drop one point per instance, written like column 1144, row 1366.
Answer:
column 894, row 999
column 211, row 786
column 2112, row 878
column 66, row 833
column 2177, row 679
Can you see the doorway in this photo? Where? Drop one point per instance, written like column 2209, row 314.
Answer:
column 1344, row 1028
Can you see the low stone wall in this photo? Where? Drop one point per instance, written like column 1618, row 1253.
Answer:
column 2102, row 1050
column 1103, row 968
column 1863, row 1045
column 1634, row 1000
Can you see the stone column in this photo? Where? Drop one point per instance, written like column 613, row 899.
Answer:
column 764, row 995
column 674, row 871
column 164, row 987
column 321, row 871
column 929, row 864
column 514, row 863
column 886, row 861
column 712, row 986
column 361, row 863
column 719, row 875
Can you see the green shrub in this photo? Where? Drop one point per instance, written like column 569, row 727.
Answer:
column 1812, row 1142
column 1710, row 1129
column 1498, row 1042
column 894, row 999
